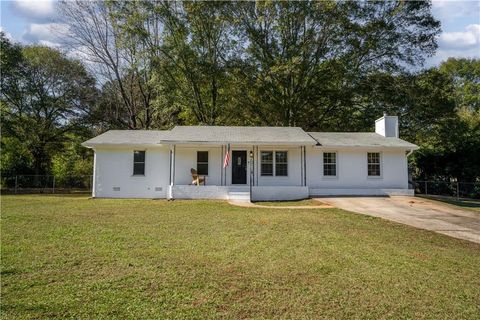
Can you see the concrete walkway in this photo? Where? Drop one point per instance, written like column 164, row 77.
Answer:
column 416, row 212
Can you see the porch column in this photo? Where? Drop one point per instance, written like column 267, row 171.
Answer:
column 172, row 169
column 305, row 166
column 172, row 172
column 301, row 166
column 94, row 180
column 221, row 165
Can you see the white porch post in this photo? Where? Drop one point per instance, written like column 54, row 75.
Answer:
column 301, row 166
column 305, row 166
column 94, row 182
column 172, row 172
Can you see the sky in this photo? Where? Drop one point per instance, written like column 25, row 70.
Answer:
column 32, row 21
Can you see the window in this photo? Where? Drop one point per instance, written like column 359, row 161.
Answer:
column 274, row 159
column 373, row 164
column 329, row 164
column 281, row 165
column 202, row 163
column 267, row 163
column 138, row 162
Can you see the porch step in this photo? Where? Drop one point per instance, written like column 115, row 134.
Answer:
column 239, row 196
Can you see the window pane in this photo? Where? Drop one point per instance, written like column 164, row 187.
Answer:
column 202, row 168
column 138, row 156
column 373, row 157
column 281, row 156
column 329, row 170
column 267, row 169
column 202, row 156
column 139, row 168
column 329, row 164
column 138, row 162
column 267, row 156
column 329, row 157
column 281, row 163
column 281, row 169
column 373, row 170
column 202, row 162
column 373, row 163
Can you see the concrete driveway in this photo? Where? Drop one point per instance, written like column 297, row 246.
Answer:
column 416, row 212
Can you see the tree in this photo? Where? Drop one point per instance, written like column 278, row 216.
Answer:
column 191, row 57
column 452, row 150
column 465, row 74
column 115, row 58
column 306, row 59
column 44, row 96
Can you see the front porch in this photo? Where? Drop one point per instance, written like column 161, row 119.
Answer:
column 245, row 177
column 238, row 193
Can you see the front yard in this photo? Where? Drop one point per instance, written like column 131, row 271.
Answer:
column 68, row 256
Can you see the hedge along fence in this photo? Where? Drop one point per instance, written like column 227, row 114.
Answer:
column 45, row 184
column 456, row 189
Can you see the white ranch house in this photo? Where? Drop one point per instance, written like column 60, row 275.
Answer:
column 265, row 163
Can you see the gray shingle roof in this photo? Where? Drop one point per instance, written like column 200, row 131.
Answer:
column 359, row 139
column 126, row 137
column 245, row 135
column 240, row 135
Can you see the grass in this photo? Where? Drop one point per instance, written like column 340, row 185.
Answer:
column 292, row 203
column 469, row 204
column 71, row 257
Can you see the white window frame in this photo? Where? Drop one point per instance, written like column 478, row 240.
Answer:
column 207, row 163
column 380, row 160
column 274, row 164
column 144, row 164
column 336, row 165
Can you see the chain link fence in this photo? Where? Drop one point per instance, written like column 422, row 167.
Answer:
column 48, row 184
column 469, row 190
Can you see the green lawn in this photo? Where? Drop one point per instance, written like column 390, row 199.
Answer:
column 469, row 204
column 71, row 257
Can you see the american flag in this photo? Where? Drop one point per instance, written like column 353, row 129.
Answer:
column 227, row 156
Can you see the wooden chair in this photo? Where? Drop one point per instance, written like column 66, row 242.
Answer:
column 196, row 179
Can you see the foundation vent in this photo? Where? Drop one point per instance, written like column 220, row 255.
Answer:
column 158, row 188
column 116, row 188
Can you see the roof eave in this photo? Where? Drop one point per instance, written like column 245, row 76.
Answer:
column 414, row 147
column 120, row 145
column 267, row 143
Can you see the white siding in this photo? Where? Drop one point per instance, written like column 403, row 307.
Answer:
column 352, row 170
column 186, row 159
column 114, row 168
column 294, row 177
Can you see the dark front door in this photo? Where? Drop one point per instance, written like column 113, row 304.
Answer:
column 239, row 167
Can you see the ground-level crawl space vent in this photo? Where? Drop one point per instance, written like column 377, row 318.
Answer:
column 158, row 189
column 116, row 188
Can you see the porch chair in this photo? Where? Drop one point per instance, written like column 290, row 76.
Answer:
column 196, row 179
